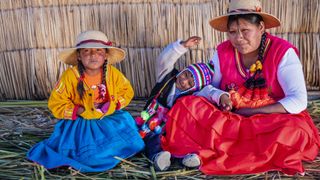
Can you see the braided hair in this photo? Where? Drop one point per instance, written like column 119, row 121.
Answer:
column 259, row 79
column 102, row 87
column 104, row 72
column 80, row 87
column 262, row 47
column 81, row 68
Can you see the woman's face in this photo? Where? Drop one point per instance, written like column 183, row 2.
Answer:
column 245, row 36
column 185, row 81
column 92, row 58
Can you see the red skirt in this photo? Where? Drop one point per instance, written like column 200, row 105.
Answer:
column 228, row 143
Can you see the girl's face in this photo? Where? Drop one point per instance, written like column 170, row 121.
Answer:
column 185, row 81
column 245, row 36
column 92, row 58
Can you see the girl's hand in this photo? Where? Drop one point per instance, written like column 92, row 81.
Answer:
column 191, row 41
column 225, row 102
column 80, row 110
column 102, row 107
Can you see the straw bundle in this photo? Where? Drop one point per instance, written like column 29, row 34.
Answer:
column 33, row 32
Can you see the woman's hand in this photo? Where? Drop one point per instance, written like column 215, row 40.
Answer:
column 225, row 102
column 191, row 41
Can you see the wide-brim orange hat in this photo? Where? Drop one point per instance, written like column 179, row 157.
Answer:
column 244, row 7
column 92, row 39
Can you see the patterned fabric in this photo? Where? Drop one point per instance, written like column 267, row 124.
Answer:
column 202, row 75
column 89, row 145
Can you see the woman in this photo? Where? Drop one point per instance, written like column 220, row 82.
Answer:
column 274, row 132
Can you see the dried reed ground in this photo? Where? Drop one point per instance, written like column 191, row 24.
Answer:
column 24, row 123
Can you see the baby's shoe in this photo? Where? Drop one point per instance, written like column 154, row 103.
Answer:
column 162, row 160
column 191, row 161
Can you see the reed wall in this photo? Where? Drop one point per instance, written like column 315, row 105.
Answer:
column 33, row 32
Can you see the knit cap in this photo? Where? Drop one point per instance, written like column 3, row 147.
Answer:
column 202, row 75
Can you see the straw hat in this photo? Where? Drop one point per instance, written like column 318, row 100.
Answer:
column 92, row 39
column 244, row 7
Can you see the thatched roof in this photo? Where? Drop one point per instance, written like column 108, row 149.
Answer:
column 34, row 31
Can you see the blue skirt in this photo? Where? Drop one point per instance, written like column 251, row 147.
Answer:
column 89, row 145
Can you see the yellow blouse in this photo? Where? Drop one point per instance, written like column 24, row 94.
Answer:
column 93, row 82
column 64, row 97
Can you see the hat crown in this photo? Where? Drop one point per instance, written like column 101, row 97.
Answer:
column 91, row 35
column 92, row 39
column 244, row 5
column 240, row 7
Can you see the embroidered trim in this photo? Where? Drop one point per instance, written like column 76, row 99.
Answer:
column 68, row 113
column 60, row 87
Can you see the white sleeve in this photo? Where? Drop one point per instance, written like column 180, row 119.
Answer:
column 211, row 93
column 167, row 58
column 217, row 73
column 291, row 80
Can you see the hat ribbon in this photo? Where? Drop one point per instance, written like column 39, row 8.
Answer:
column 258, row 9
column 109, row 43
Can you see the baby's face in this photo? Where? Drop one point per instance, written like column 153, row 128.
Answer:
column 185, row 81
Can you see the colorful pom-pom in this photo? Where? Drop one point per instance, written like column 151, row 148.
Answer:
column 145, row 115
column 157, row 129
column 153, row 123
column 143, row 134
column 139, row 121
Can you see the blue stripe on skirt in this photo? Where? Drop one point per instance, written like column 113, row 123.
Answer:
column 89, row 145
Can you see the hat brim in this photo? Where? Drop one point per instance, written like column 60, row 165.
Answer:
column 114, row 54
column 220, row 23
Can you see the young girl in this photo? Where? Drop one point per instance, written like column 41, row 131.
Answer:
column 88, row 99
column 172, row 84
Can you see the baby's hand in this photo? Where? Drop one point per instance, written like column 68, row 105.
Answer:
column 191, row 41
column 225, row 102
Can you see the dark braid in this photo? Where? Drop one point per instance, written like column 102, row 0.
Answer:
column 80, row 87
column 104, row 72
column 260, row 80
column 103, row 78
column 257, row 80
column 262, row 47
